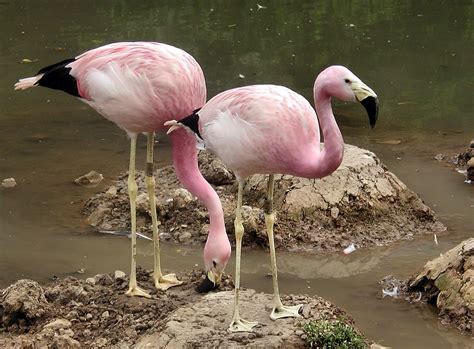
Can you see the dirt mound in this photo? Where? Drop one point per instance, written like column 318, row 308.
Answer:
column 205, row 323
column 446, row 282
column 95, row 313
column 361, row 203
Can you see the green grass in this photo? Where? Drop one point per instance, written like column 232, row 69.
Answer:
column 332, row 334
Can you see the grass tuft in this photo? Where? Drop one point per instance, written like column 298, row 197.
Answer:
column 325, row 334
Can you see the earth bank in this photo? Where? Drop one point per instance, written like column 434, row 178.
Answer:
column 361, row 203
column 75, row 313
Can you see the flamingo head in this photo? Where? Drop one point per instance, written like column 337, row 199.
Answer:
column 338, row 81
column 216, row 255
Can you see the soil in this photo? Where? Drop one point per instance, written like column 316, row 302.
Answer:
column 447, row 282
column 75, row 313
column 361, row 203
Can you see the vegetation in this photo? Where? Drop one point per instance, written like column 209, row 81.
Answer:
column 325, row 334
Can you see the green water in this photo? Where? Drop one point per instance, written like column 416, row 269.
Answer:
column 417, row 55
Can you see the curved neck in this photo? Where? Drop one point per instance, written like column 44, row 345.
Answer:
column 187, row 170
column 329, row 159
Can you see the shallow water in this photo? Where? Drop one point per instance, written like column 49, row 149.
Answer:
column 416, row 55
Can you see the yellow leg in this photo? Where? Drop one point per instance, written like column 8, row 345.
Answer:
column 162, row 282
column 279, row 310
column 238, row 324
column 133, row 289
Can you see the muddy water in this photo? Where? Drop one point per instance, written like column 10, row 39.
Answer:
column 416, row 55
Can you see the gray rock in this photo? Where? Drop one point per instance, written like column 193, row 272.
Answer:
column 119, row 275
column 183, row 237
column 9, row 183
column 91, row 179
column 57, row 324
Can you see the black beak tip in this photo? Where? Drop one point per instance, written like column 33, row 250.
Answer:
column 206, row 286
column 371, row 105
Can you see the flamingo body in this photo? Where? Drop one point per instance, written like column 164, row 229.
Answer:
column 261, row 129
column 136, row 85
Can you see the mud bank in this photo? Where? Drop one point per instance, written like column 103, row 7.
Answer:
column 75, row 313
column 362, row 203
column 446, row 282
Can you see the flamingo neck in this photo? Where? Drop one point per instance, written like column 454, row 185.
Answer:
column 187, row 170
column 329, row 159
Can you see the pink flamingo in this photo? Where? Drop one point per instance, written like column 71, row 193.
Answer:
column 139, row 86
column 271, row 129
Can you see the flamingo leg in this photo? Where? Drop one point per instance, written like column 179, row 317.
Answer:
column 238, row 324
column 162, row 282
column 133, row 289
column 279, row 310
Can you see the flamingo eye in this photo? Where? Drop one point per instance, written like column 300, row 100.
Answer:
column 347, row 81
column 214, row 264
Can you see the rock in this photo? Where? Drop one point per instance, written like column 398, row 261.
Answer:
column 334, row 212
column 119, row 275
column 182, row 197
column 64, row 341
column 448, row 282
column 90, row 179
column 57, row 324
column 470, row 163
column 90, row 281
column 105, row 315
column 9, row 183
column 439, row 157
column 183, row 237
column 24, row 300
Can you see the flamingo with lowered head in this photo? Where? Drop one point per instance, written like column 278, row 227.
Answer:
column 271, row 129
column 139, row 86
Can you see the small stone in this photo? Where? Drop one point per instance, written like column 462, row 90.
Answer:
column 334, row 212
column 57, row 324
column 119, row 275
column 299, row 332
column 186, row 236
column 439, row 157
column 91, row 178
column 470, row 163
column 105, row 315
column 90, row 281
column 9, row 183
column 111, row 191
column 88, row 316
column 87, row 332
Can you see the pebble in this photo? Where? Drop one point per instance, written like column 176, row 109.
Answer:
column 90, row 178
column 57, row 324
column 90, row 281
column 105, row 314
column 119, row 275
column 470, row 163
column 88, row 316
column 9, row 183
column 184, row 236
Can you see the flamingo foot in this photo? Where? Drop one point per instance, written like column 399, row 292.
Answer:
column 137, row 291
column 285, row 311
column 164, row 282
column 241, row 325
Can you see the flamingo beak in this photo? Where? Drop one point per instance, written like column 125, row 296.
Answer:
column 371, row 105
column 210, row 283
column 368, row 98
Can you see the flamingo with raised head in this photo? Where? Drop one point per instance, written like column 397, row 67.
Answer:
column 268, row 129
column 139, row 86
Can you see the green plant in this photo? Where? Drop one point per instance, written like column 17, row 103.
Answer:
column 325, row 334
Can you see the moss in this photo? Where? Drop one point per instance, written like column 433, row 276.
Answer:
column 332, row 334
